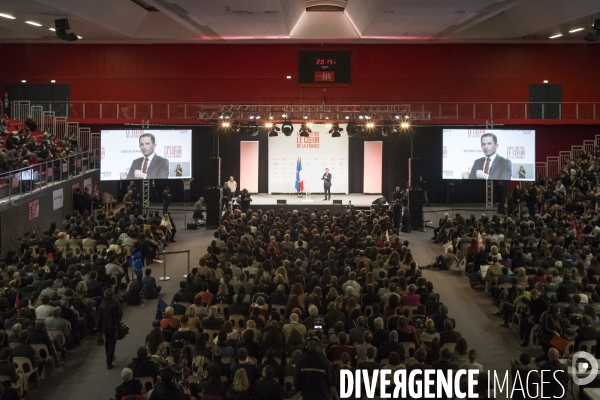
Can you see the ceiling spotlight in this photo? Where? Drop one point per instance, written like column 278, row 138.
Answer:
column 405, row 125
column 397, row 116
column 388, row 128
column 360, row 116
column 257, row 116
column 370, row 125
column 335, row 130
column 353, row 128
column 287, row 128
column 283, row 116
column 225, row 124
column 273, row 129
column 33, row 23
column 367, row 117
column 270, row 116
column 326, row 117
column 328, row 126
column 347, row 117
column 23, row 81
column 268, row 125
column 251, row 116
column 221, row 116
column 252, row 128
column 7, row 16
column 305, row 117
column 62, row 26
column 305, row 130
column 310, row 124
column 576, row 30
column 556, row 36
column 407, row 116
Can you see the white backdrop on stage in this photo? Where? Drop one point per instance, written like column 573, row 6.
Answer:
column 318, row 151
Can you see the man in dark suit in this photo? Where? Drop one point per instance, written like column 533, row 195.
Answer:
column 492, row 166
column 151, row 166
column 327, row 184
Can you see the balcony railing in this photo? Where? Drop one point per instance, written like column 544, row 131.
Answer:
column 463, row 111
column 29, row 180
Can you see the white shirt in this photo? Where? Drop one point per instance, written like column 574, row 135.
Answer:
column 232, row 185
column 492, row 158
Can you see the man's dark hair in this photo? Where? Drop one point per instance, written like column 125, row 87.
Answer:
column 490, row 135
column 151, row 136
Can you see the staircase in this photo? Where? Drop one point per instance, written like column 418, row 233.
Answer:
column 552, row 166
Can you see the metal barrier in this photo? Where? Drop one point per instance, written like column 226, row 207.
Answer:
column 165, row 277
column 25, row 181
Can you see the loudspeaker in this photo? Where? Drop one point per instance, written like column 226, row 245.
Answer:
column 338, row 202
column 214, row 172
column 415, row 207
column 414, row 172
column 213, row 197
column 380, row 201
column 62, row 26
column 281, row 201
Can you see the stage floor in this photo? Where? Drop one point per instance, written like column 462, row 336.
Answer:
column 357, row 199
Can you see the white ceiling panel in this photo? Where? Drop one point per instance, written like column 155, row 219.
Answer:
column 318, row 25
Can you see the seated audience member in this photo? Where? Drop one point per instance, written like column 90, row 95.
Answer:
column 169, row 321
column 166, row 389
column 142, row 365
column 129, row 386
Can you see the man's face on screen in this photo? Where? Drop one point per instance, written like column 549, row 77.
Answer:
column 146, row 146
column 488, row 146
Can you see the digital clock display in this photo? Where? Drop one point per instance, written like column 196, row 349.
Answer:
column 324, row 67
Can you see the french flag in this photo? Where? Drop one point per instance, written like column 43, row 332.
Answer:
column 299, row 181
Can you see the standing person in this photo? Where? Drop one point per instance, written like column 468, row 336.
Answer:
column 314, row 374
column 6, row 105
column 186, row 190
column 246, row 199
column 232, row 186
column 198, row 210
column 109, row 316
column 151, row 165
column 166, row 198
column 226, row 196
column 153, row 192
column 327, row 184
column 178, row 170
column 397, row 209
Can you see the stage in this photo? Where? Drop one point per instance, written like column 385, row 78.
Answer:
column 314, row 202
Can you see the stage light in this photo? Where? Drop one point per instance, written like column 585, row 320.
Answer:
column 407, row 116
column 251, row 116
column 360, row 116
column 270, row 116
column 268, row 125
column 310, row 124
column 336, row 134
column 305, row 117
column 335, row 130
column 405, row 125
column 305, row 130
column 370, row 125
column 367, row 117
column 347, row 117
column 273, row 134
column 225, row 124
column 287, row 128
column 353, row 128
column 252, row 128
column 328, row 126
column 397, row 116
column 273, row 129
column 388, row 128
column 284, row 116
column 257, row 116
column 221, row 116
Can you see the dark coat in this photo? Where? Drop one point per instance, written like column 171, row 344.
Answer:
column 109, row 314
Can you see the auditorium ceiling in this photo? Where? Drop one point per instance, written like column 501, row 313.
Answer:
column 306, row 21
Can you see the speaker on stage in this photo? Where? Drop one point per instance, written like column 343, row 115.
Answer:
column 281, row 201
column 380, row 201
column 415, row 207
column 414, row 172
column 213, row 198
column 214, row 171
column 337, row 202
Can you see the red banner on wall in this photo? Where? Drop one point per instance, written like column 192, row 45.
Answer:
column 34, row 209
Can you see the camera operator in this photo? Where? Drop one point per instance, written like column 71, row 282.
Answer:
column 245, row 201
column 314, row 373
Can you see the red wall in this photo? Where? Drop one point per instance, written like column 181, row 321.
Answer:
column 256, row 73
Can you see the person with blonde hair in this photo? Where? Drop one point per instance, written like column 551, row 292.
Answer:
column 169, row 320
column 240, row 389
column 193, row 320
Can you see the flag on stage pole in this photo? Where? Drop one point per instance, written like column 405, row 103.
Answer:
column 160, row 309
column 299, row 181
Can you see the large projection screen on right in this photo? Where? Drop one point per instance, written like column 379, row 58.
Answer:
column 494, row 154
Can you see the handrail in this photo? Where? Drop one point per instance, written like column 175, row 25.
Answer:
column 193, row 111
column 23, row 181
column 164, row 253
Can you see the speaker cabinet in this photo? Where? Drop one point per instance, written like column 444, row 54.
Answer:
column 281, row 201
column 213, row 197
column 338, row 202
column 414, row 172
column 415, row 207
column 214, row 171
